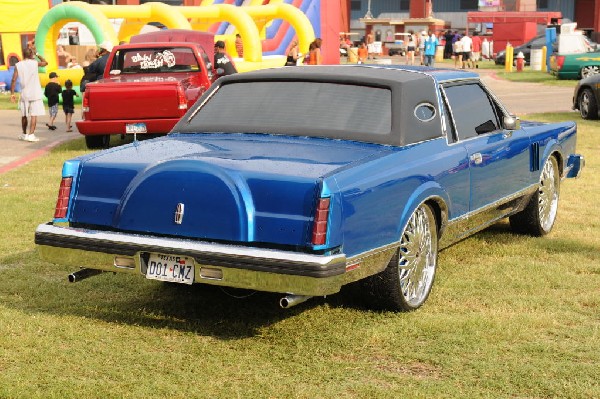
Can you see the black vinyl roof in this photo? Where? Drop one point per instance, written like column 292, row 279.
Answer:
column 409, row 90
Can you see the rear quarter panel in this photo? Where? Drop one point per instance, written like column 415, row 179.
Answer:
column 378, row 197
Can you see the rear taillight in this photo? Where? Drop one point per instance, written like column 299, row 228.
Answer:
column 62, row 203
column 85, row 103
column 560, row 61
column 319, row 233
column 181, row 98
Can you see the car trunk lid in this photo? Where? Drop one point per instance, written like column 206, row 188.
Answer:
column 231, row 187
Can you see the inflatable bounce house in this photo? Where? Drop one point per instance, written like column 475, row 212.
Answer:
column 266, row 27
column 19, row 20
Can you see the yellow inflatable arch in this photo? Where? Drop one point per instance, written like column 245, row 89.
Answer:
column 248, row 21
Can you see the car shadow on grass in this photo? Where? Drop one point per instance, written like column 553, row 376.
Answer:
column 33, row 286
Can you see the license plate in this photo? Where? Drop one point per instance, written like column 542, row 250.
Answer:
column 135, row 128
column 171, row 268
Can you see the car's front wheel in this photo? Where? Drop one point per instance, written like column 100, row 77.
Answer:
column 97, row 142
column 588, row 108
column 406, row 282
column 539, row 216
column 589, row 70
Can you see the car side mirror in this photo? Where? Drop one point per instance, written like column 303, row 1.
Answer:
column 511, row 122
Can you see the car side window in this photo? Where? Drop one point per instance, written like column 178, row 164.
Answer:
column 473, row 111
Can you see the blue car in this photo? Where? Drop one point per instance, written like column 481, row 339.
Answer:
column 301, row 180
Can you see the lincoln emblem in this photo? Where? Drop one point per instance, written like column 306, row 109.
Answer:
column 179, row 213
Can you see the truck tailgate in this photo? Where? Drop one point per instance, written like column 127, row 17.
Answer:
column 133, row 100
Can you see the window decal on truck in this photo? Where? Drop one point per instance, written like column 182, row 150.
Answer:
column 147, row 61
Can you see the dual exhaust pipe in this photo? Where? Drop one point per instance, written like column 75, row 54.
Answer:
column 286, row 302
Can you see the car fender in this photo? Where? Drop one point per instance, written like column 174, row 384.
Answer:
column 552, row 147
column 433, row 193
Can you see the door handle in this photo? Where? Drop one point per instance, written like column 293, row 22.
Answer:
column 476, row 158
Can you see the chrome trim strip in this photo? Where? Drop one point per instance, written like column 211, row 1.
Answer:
column 481, row 218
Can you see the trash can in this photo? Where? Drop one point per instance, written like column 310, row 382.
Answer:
column 439, row 54
column 352, row 55
column 536, row 59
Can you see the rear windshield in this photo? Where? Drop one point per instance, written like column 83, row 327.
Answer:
column 163, row 60
column 332, row 110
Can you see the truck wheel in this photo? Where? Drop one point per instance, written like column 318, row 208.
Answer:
column 97, row 142
column 406, row 282
column 589, row 70
column 538, row 217
column 587, row 105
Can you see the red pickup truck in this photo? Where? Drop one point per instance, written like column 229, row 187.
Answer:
column 148, row 85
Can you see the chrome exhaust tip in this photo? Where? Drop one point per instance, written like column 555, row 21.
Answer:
column 292, row 300
column 83, row 274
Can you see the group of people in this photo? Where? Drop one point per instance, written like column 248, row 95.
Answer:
column 314, row 57
column 52, row 91
column 464, row 49
column 424, row 44
column 31, row 100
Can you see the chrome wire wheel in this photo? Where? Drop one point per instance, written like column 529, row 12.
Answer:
column 417, row 257
column 589, row 70
column 548, row 194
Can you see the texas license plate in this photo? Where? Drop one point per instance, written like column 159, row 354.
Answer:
column 171, row 268
column 135, row 128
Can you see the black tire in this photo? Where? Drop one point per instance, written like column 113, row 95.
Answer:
column 97, row 142
column 538, row 217
column 586, row 102
column 406, row 282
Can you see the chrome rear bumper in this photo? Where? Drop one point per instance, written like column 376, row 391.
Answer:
column 216, row 264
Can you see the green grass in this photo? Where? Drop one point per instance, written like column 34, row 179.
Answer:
column 509, row 316
column 528, row 75
column 5, row 103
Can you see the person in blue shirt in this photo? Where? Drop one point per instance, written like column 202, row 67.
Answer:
column 431, row 43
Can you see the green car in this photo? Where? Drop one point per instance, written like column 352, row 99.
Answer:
column 575, row 66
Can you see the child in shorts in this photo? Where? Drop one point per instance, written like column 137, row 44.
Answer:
column 51, row 91
column 68, row 100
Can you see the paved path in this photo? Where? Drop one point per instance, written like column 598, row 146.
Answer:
column 14, row 152
column 529, row 98
column 519, row 98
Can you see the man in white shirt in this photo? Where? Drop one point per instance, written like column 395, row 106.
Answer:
column 31, row 102
column 467, row 45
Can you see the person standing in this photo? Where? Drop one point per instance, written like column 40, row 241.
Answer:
column 421, row 44
column 466, row 45
column 363, row 53
column 448, row 36
column 31, row 102
column 239, row 45
column 410, row 48
column 222, row 60
column 97, row 67
column 68, row 97
column 476, row 49
column 370, row 45
column 51, row 91
column 293, row 54
column 431, row 43
column 314, row 55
